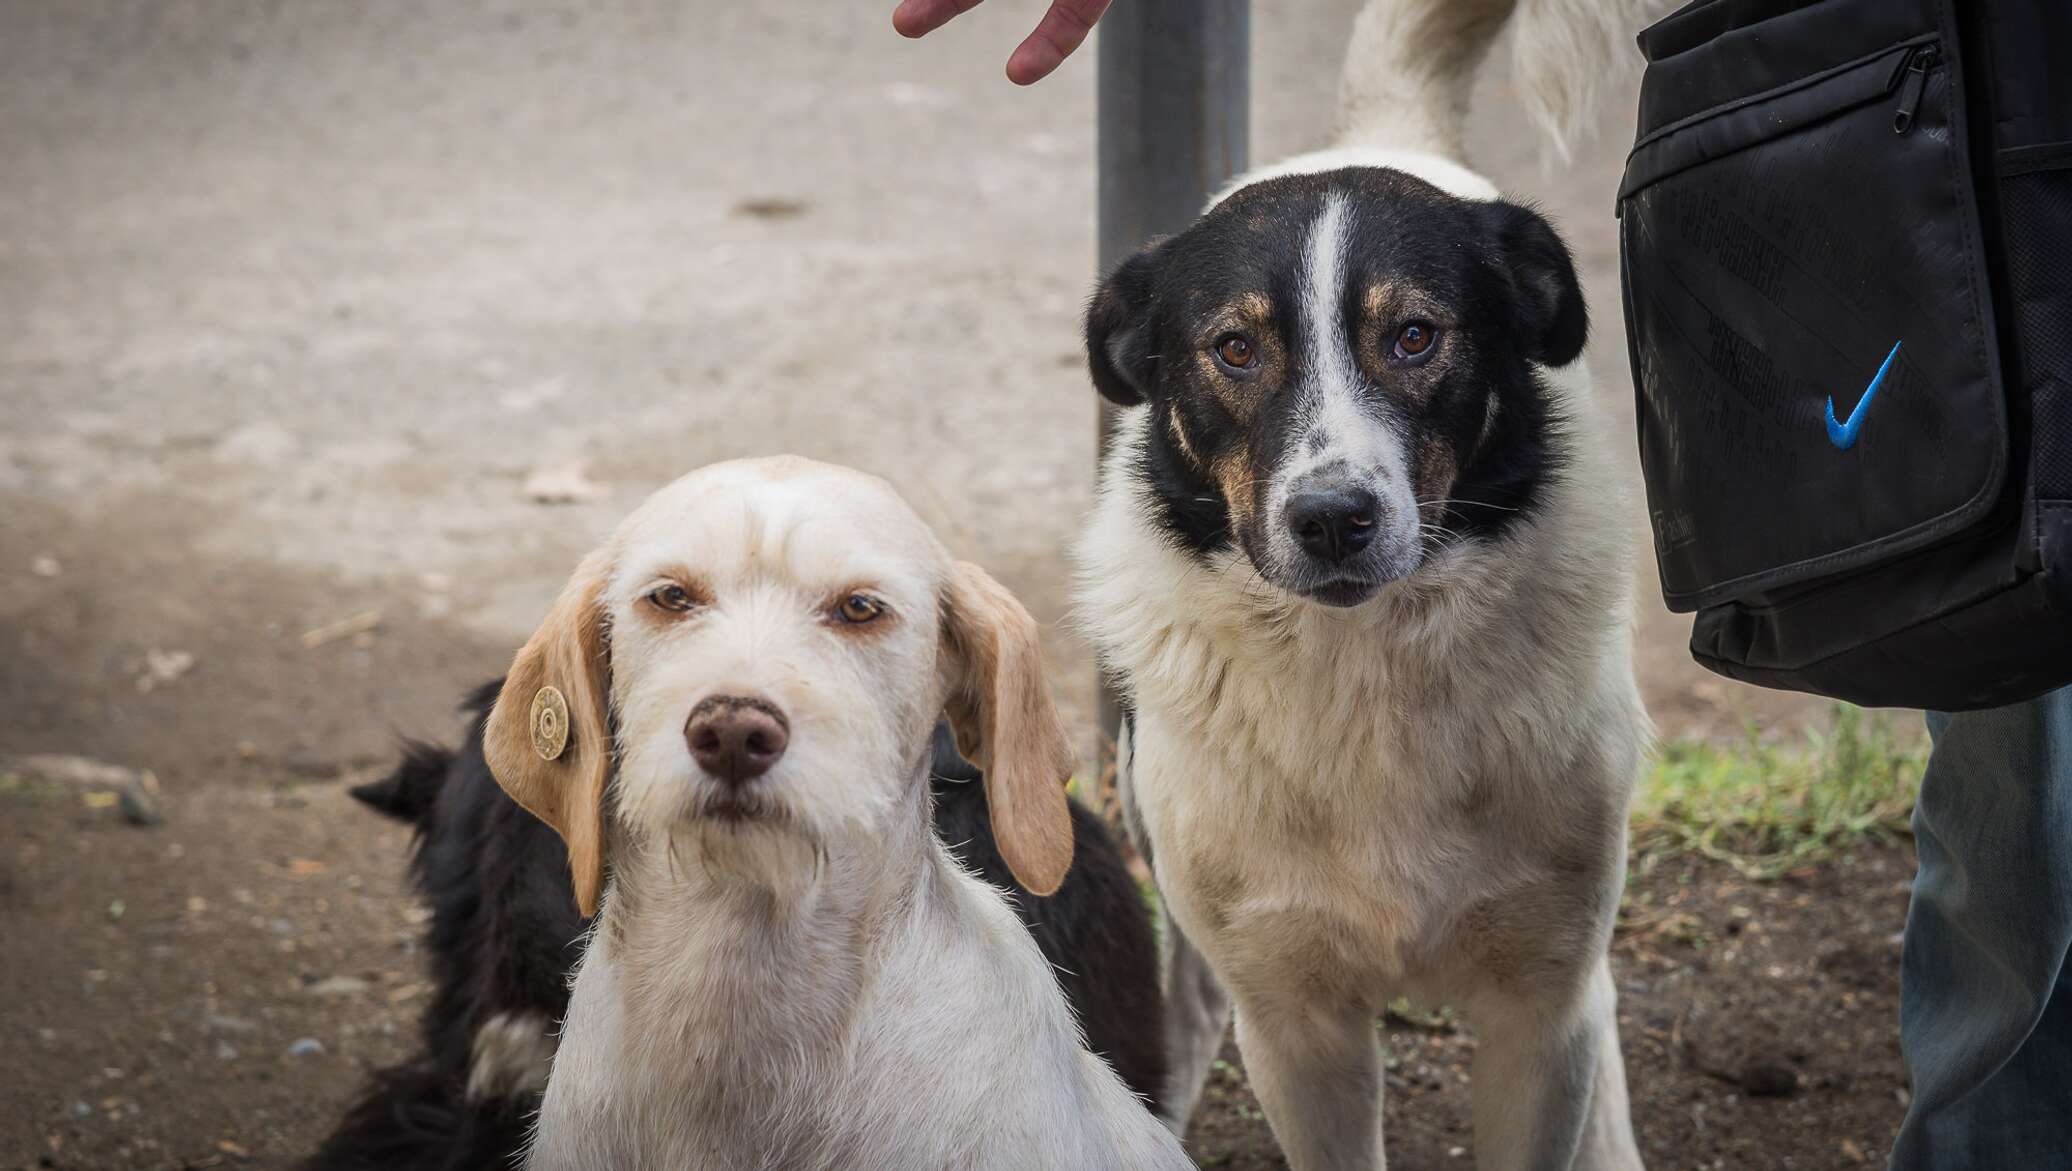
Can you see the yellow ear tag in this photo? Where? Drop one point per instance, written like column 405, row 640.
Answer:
column 549, row 723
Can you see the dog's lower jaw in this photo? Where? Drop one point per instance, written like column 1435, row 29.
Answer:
column 780, row 860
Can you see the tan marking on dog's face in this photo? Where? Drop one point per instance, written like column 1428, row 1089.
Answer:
column 1250, row 316
column 1385, row 308
column 1239, row 480
column 654, row 604
column 1379, row 301
column 1434, row 472
column 1180, row 440
column 858, row 610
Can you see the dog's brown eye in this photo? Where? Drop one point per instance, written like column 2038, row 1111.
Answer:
column 1415, row 338
column 672, row 597
column 857, row 609
column 1235, row 351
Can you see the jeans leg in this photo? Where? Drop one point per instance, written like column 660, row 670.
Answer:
column 1985, row 999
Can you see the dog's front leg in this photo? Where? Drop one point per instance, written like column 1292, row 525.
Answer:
column 1550, row 1085
column 1317, row 1070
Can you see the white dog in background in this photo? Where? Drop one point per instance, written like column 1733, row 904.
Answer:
column 1361, row 564
column 732, row 703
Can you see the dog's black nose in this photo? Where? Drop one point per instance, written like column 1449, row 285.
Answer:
column 1331, row 524
column 736, row 739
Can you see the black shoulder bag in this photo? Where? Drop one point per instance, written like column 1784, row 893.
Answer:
column 1846, row 250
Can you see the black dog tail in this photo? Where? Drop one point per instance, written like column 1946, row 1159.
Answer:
column 415, row 1119
column 409, row 791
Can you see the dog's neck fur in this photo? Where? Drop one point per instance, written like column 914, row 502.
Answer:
column 718, row 1000
column 769, row 1004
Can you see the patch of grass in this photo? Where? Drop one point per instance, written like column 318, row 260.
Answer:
column 1767, row 808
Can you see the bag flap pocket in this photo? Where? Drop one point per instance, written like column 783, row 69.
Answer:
column 1812, row 340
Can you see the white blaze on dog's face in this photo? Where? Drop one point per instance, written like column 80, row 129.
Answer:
column 760, row 653
column 1339, row 371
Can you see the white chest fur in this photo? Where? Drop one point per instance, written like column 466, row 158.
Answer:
column 927, row 1033
column 1353, row 784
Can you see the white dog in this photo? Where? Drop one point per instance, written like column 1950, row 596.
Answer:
column 729, row 711
column 1360, row 561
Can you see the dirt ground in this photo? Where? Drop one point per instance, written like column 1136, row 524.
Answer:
column 174, row 978
column 298, row 296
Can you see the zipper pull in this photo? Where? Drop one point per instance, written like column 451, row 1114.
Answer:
column 1910, row 92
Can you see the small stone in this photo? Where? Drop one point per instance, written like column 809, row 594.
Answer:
column 1769, row 1079
column 330, row 632
column 138, row 801
column 163, row 667
column 338, row 986
column 225, row 1051
column 44, row 565
column 82, row 1110
column 306, row 1047
column 563, row 483
column 69, row 770
column 230, row 1024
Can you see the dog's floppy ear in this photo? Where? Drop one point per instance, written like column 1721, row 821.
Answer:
column 548, row 740
column 1001, row 710
column 1118, row 331
column 1550, row 315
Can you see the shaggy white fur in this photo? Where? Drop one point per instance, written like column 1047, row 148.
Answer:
column 794, row 974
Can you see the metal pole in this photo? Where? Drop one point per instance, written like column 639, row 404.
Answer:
column 1175, row 104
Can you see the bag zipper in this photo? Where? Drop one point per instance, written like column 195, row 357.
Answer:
column 1925, row 58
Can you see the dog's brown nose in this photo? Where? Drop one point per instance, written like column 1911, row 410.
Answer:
column 736, row 739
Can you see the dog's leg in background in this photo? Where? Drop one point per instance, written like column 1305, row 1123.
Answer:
column 1197, row 1009
column 1197, row 1012
column 1540, row 1065
column 1316, row 1067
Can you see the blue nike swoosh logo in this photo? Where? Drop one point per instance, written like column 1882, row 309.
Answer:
column 1843, row 435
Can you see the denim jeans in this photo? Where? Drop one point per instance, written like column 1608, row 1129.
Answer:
column 1985, row 998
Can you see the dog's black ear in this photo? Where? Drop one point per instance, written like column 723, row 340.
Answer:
column 410, row 790
column 1549, row 312
column 1118, row 331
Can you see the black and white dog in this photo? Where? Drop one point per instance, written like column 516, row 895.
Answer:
column 1361, row 562
column 505, row 936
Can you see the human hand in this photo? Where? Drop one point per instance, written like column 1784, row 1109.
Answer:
column 1061, row 30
